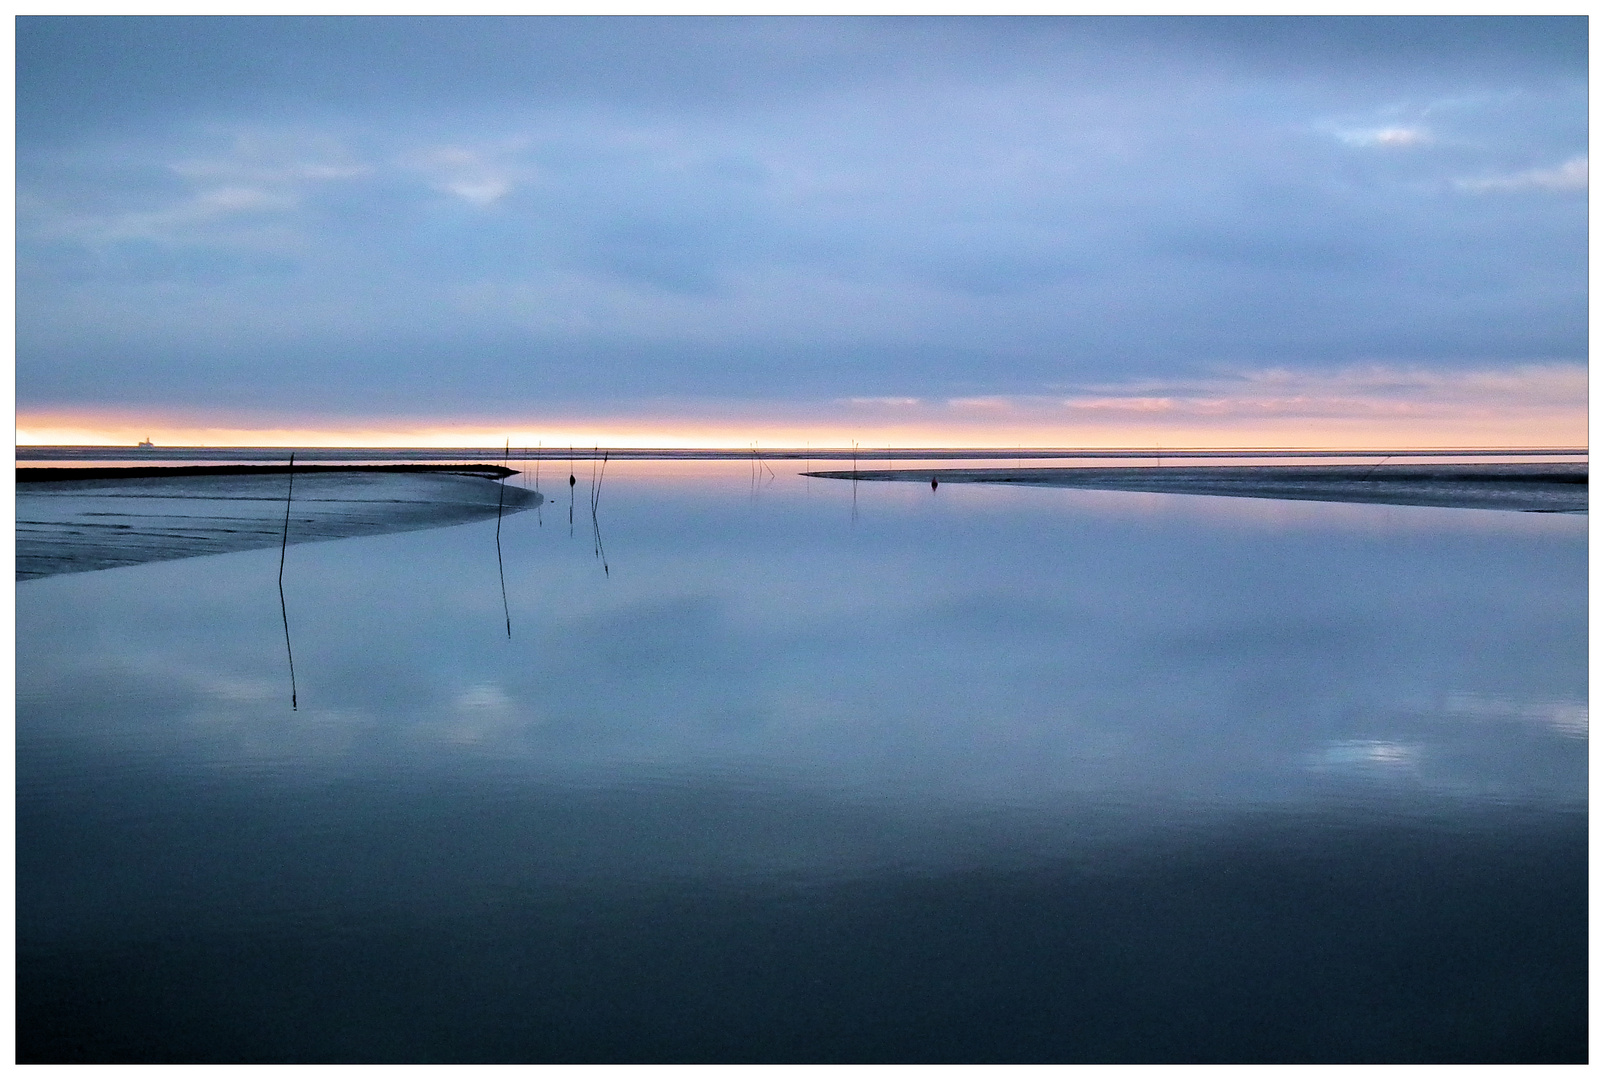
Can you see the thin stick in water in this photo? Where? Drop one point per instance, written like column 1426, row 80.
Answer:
column 283, row 609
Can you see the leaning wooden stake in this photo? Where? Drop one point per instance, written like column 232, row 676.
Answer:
column 283, row 609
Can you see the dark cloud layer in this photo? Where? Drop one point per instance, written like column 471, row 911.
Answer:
column 201, row 66
column 466, row 214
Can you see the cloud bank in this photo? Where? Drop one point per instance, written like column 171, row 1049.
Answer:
column 532, row 218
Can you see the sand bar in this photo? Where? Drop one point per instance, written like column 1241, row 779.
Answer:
column 1543, row 487
column 94, row 519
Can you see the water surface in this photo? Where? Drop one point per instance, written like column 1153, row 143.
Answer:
column 783, row 769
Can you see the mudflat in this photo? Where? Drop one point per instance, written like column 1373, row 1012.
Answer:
column 73, row 520
column 1544, row 487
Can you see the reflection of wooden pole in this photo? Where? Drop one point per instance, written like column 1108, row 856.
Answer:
column 284, row 610
column 595, row 522
column 501, row 495
column 854, row 481
column 594, row 548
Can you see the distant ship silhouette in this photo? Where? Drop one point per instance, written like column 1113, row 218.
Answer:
column 146, row 445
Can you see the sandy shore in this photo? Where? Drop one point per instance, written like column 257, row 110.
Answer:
column 1559, row 487
column 94, row 519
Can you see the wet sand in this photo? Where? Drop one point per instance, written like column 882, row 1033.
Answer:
column 1559, row 487
column 74, row 520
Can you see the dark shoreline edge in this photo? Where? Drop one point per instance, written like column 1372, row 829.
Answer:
column 1530, row 487
column 124, row 517
column 49, row 474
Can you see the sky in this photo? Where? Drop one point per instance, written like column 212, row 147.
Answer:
column 683, row 231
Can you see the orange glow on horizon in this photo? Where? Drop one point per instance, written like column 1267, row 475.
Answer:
column 1532, row 405
column 1500, row 431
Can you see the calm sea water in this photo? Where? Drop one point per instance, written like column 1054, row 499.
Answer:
column 776, row 770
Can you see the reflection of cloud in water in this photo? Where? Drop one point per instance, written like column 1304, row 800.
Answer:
column 1004, row 648
column 1567, row 718
column 482, row 699
column 251, row 735
column 1370, row 757
column 234, row 690
column 481, row 713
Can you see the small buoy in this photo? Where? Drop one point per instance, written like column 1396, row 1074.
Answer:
column 932, row 483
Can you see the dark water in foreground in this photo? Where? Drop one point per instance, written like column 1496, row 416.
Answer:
column 973, row 775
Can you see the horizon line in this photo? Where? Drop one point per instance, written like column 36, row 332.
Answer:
column 861, row 449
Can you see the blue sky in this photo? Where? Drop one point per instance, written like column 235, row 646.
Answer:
column 823, row 223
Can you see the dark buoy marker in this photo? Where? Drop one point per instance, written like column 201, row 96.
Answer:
column 932, row 483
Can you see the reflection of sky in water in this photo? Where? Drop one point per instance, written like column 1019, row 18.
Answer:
column 983, row 774
column 971, row 646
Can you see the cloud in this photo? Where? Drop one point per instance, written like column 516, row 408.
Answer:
column 205, row 215
column 472, row 175
column 274, row 158
column 1374, row 390
column 995, row 403
column 1386, row 137
column 1125, row 404
column 1527, row 404
column 1569, row 176
column 1366, row 406
column 816, row 210
column 224, row 197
